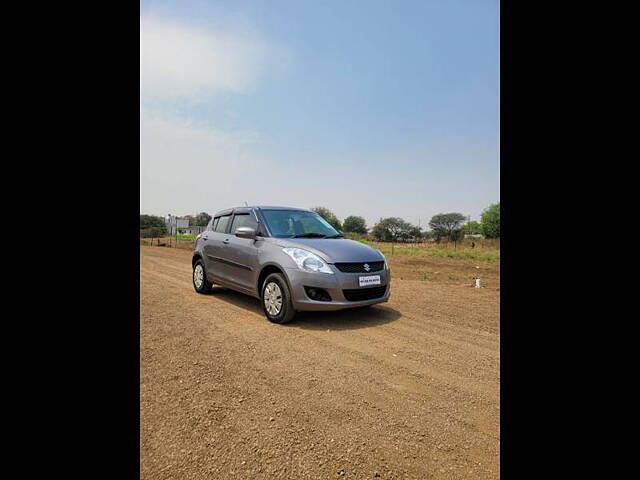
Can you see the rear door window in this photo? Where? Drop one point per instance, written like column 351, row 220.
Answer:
column 221, row 225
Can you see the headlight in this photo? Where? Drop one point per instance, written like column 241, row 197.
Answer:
column 307, row 261
column 386, row 265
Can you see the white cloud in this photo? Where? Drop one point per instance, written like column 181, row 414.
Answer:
column 185, row 62
column 184, row 166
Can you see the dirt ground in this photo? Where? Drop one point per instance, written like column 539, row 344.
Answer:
column 408, row 389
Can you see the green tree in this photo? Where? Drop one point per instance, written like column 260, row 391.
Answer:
column 148, row 221
column 329, row 216
column 152, row 226
column 490, row 221
column 428, row 235
column 446, row 225
column 159, row 231
column 202, row 219
column 472, row 228
column 414, row 233
column 391, row 229
column 456, row 235
column 355, row 224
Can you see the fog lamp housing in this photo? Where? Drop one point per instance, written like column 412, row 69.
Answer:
column 317, row 294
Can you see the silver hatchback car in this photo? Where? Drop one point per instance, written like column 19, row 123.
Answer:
column 291, row 259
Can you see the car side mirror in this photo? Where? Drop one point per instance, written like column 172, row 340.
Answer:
column 246, row 232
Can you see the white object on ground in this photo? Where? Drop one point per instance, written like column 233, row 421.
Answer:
column 478, row 284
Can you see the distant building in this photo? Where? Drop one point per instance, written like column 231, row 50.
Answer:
column 182, row 223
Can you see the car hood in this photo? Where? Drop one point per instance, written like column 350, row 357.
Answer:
column 334, row 250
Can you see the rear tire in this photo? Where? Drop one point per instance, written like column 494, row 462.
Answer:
column 276, row 299
column 199, row 277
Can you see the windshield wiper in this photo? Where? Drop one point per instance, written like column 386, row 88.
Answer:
column 337, row 235
column 309, row 235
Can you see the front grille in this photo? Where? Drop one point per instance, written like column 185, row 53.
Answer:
column 359, row 267
column 357, row 294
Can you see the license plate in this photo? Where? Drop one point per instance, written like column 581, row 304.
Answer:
column 370, row 280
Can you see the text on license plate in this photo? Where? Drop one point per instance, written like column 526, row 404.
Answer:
column 369, row 280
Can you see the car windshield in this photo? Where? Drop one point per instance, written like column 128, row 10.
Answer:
column 298, row 224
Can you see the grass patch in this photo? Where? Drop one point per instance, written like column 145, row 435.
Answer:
column 432, row 250
column 187, row 237
column 467, row 254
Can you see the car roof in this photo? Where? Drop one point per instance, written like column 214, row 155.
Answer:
column 265, row 207
column 228, row 211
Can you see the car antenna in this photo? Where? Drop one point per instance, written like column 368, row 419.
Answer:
column 246, row 204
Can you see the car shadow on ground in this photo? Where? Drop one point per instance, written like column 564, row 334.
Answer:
column 347, row 319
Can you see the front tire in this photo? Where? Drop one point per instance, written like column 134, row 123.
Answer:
column 199, row 277
column 276, row 299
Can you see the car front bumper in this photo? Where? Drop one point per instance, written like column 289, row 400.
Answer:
column 334, row 285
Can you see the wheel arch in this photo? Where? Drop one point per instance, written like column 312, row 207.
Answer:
column 195, row 258
column 268, row 270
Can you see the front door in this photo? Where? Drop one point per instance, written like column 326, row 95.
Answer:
column 215, row 249
column 242, row 253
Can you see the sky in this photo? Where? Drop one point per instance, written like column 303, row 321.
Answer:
column 369, row 108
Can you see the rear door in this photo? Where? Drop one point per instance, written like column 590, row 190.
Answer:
column 242, row 253
column 215, row 247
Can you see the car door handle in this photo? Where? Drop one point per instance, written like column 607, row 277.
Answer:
column 225, row 241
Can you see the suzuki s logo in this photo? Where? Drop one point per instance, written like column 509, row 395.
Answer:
column 366, row 267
